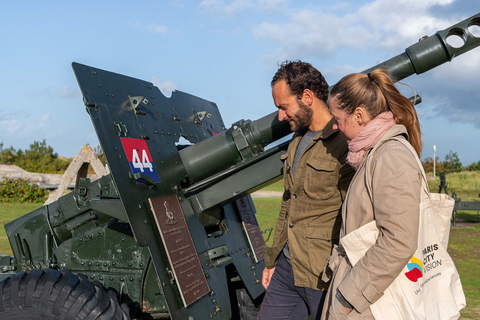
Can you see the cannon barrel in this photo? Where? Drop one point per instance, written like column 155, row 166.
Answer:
column 430, row 52
column 243, row 140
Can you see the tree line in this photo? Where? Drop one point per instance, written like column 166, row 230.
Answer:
column 451, row 163
column 40, row 158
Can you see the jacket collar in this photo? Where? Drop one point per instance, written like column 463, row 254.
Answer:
column 327, row 130
column 396, row 130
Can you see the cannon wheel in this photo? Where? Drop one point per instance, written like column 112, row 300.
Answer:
column 52, row 294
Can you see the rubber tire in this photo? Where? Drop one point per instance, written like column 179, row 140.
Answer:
column 51, row 294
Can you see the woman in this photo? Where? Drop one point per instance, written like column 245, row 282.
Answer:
column 370, row 111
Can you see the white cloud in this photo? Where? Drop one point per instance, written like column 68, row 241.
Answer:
column 322, row 31
column 151, row 27
column 233, row 7
column 452, row 74
column 68, row 93
column 313, row 32
column 166, row 87
column 273, row 5
column 456, row 82
column 225, row 7
column 9, row 126
column 157, row 29
column 22, row 124
column 397, row 22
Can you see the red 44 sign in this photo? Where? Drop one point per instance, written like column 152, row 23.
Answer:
column 139, row 157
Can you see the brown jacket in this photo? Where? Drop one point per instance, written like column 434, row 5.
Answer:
column 310, row 213
column 396, row 182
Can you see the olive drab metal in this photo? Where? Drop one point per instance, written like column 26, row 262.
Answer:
column 171, row 231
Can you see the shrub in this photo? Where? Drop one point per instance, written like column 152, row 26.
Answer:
column 39, row 158
column 20, row 190
column 452, row 163
column 474, row 166
column 428, row 165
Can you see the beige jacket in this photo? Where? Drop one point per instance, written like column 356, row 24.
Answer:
column 396, row 182
column 311, row 205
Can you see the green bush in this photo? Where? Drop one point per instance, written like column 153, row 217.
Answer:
column 474, row 166
column 39, row 158
column 20, row 190
column 452, row 163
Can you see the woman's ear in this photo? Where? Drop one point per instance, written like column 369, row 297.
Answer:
column 361, row 116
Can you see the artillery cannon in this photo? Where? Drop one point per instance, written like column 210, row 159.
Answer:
column 171, row 231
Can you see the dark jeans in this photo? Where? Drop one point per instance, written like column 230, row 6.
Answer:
column 283, row 300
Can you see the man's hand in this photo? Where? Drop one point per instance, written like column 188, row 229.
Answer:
column 266, row 276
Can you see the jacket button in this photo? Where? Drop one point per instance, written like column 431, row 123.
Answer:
column 290, row 225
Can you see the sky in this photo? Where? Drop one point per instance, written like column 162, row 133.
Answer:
column 225, row 51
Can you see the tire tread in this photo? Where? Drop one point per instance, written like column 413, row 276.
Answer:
column 52, row 294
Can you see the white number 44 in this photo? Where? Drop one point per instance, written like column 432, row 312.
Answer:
column 145, row 163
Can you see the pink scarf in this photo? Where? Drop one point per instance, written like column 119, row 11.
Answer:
column 367, row 137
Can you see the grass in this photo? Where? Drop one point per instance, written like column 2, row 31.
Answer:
column 463, row 248
column 9, row 212
column 267, row 214
column 465, row 184
column 276, row 186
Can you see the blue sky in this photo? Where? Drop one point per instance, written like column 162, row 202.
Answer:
column 225, row 51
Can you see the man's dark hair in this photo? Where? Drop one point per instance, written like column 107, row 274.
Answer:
column 300, row 76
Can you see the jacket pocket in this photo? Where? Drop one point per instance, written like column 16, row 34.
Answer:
column 320, row 242
column 321, row 178
column 337, row 311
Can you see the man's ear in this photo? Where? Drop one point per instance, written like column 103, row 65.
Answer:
column 307, row 97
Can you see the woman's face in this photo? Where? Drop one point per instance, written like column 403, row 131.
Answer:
column 346, row 123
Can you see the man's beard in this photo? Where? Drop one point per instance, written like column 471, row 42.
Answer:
column 302, row 119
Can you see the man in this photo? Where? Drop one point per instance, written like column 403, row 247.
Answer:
column 316, row 179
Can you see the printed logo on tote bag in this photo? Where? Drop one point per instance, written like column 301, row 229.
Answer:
column 415, row 268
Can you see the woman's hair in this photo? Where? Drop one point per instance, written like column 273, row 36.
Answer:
column 377, row 93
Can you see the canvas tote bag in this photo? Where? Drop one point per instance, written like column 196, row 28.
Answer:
column 429, row 286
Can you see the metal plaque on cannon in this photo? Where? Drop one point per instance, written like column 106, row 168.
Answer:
column 252, row 230
column 180, row 249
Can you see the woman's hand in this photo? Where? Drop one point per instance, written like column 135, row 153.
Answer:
column 347, row 310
